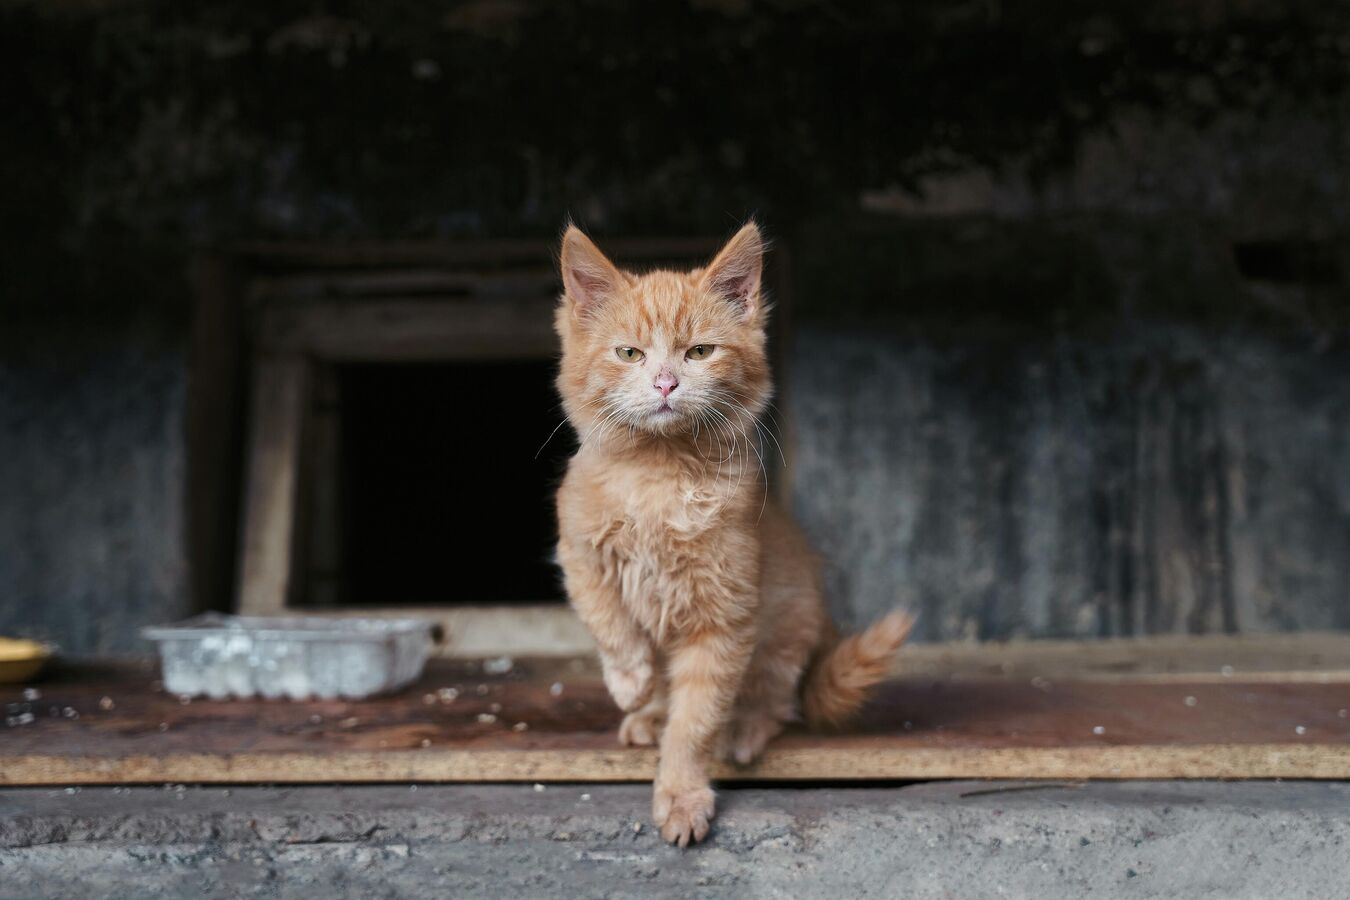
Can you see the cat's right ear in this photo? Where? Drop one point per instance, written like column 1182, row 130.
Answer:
column 589, row 278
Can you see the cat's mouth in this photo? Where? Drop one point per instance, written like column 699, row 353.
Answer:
column 663, row 417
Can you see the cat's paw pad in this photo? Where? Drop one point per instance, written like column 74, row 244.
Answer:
column 630, row 686
column 641, row 728
column 747, row 738
column 683, row 816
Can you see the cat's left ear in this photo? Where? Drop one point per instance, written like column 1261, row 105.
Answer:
column 735, row 273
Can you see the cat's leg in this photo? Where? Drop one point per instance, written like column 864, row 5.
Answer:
column 704, row 673
column 642, row 727
column 768, row 696
column 625, row 651
column 795, row 623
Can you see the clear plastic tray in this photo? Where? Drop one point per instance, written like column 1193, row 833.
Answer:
column 221, row 656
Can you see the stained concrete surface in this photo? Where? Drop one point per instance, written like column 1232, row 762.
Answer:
column 954, row 839
column 1059, row 488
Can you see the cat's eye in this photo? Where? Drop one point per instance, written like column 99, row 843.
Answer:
column 700, row 351
column 629, row 354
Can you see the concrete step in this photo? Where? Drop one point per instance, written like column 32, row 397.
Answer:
column 934, row 840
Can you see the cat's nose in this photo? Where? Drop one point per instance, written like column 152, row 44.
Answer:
column 665, row 383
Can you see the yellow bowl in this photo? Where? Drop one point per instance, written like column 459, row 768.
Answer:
column 21, row 660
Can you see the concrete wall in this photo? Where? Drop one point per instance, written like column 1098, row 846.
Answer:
column 1165, row 482
column 1070, row 285
column 1084, row 425
column 92, row 481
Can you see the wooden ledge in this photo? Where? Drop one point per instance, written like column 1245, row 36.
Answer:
column 553, row 721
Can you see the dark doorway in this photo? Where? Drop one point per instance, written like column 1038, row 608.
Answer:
column 441, row 497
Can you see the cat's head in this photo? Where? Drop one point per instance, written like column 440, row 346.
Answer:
column 663, row 353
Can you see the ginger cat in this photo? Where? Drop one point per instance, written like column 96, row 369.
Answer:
column 703, row 596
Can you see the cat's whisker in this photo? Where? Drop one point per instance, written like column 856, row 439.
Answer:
column 771, row 436
column 549, row 438
column 725, row 397
column 715, row 428
column 554, row 432
column 732, row 434
column 763, row 471
column 764, row 496
column 765, row 431
column 712, row 437
column 610, row 410
column 609, row 422
column 715, row 431
column 770, row 410
column 759, row 425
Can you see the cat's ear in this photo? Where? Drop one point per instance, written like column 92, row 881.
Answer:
column 735, row 273
column 589, row 278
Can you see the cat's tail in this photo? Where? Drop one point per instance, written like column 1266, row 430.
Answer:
column 838, row 681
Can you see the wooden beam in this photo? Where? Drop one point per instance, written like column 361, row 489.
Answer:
column 439, row 283
column 785, row 762
column 411, row 329
column 268, row 540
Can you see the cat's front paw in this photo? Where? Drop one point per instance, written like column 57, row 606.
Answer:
column 630, row 686
column 683, row 815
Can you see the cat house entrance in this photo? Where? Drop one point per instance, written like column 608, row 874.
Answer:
column 433, row 485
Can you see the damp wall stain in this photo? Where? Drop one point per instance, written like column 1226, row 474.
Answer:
column 1163, row 483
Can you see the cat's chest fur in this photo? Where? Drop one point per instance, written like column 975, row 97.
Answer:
column 658, row 533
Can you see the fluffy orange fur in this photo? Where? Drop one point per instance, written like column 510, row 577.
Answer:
column 702, row 595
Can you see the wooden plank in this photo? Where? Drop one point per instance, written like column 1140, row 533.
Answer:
column 345, row 285
column 280, row 391
column 411, row 329
column 917, row 728
column 783, row 762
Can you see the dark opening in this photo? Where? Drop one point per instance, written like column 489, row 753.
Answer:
column 442, row 498
column 1288, row 262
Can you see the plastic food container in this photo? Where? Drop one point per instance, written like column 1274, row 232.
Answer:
column 221, row 656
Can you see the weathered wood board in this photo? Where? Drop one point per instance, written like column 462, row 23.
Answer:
column 918, row 727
